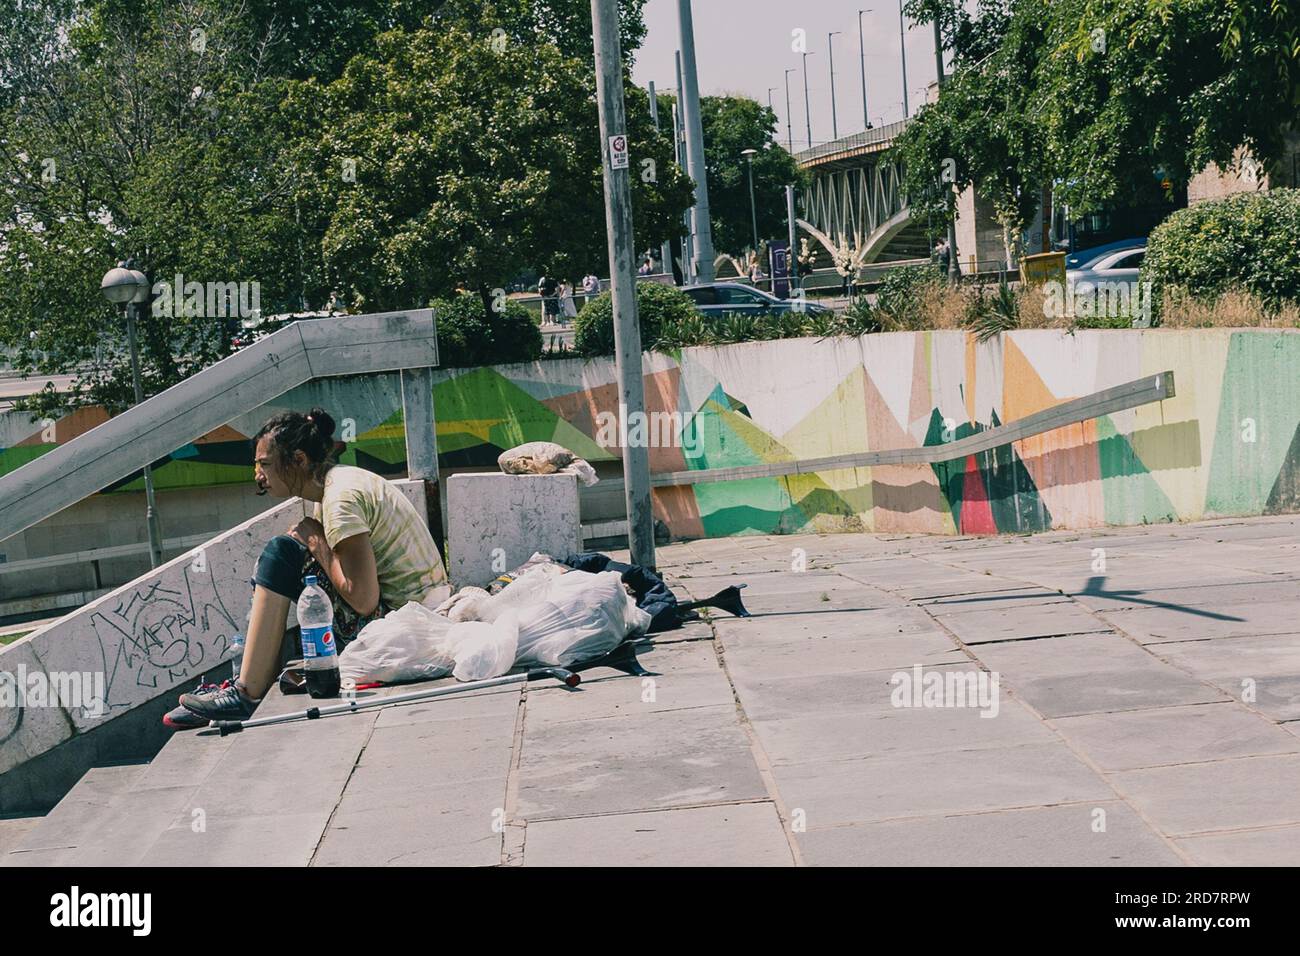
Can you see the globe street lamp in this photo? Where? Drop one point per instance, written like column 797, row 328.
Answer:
column 129, row 288
column 749, row 155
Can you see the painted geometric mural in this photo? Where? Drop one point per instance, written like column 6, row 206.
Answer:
column 1228, row 443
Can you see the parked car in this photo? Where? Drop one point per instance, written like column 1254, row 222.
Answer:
column 1113, row 262
column 726, row 297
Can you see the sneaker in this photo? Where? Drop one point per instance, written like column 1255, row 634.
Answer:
column 225, row 703
column 203, row 688
column 182, row 719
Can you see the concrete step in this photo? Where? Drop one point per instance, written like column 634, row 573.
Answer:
column 75, row 819
column 13, row 829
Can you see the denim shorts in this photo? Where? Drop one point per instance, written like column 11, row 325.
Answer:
column 284, row 566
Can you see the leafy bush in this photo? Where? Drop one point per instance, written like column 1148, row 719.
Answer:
column 657, row 306
column 902, row 293
column 469, row 334
column 1245, row 243
column 987, row 315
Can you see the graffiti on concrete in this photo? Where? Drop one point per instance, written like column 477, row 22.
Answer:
column 159, row 634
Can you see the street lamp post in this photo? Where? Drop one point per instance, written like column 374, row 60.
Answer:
column 807, row 109
column 769, row 98
column 789, row 133
column 749, row 155
column 830, row 50
column 902, row 48
column 129, row 288
column 862, row 62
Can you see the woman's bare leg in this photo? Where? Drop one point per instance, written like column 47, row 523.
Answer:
column 263, row 641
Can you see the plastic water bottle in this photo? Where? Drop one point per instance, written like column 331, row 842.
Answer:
column 320, row 657
column 237, row 660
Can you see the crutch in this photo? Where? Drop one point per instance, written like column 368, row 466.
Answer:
column 566, row 677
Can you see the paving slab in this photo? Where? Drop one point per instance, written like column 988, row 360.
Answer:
column 747, row 834
column 1175, row 735
column 1090, row 673
column 286, row 839
column 453, row 826
column 1041, row 836
column 839, row 624
column 912, row 785
column 1271, row 664
column 1278, row 846
column 831, row 655
column 1022, row 622
column 902, row 731
column 1222, row 795
column 683, row 676
column 641, row 762
column 778, row 698
column 1157, row 625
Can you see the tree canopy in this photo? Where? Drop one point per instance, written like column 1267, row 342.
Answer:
column 375, row 154
column 1098, row 98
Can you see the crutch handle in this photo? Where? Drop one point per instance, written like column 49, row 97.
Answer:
column 566, row 677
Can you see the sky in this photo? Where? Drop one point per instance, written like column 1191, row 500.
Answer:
column 744, row 47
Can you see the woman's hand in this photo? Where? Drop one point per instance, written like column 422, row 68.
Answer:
column 309, row 532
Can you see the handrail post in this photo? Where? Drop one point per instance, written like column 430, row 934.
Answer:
column 422, row 442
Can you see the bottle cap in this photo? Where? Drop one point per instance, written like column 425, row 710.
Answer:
column 311, row 580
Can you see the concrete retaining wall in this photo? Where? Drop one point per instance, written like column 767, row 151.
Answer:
column 1226, row 445
column 135, row 644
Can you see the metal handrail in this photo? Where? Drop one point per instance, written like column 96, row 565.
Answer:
column 239, row 383
column 1151, row 388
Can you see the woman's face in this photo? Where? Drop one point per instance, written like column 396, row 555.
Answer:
column 268, row 474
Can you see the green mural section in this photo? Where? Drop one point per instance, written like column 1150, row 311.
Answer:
column 1259, row 412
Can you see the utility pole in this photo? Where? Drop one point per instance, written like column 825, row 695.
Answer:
column 679, row 147
column 862, row 62
column 954, row 270
column 793, row 256
column 902, row 46
column 830, row 50
column 665, row 250
column 622, row 282
column 769, row 98
column 807, row 109
column 701, row 230
column 789, row 134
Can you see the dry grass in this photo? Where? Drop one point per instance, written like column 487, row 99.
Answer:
column 1231, row 310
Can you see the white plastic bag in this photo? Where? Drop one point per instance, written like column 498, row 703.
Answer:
column 464, row 605
column 410, row 643
column 581, row 616
column 483, row 650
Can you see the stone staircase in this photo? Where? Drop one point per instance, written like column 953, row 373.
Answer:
column 267, row 796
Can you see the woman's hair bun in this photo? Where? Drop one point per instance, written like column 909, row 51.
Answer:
column 322, row 421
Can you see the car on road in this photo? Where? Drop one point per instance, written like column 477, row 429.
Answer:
column 723, row 298
column 1113, row 262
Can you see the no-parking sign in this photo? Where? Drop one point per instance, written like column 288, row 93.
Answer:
column 618, row 151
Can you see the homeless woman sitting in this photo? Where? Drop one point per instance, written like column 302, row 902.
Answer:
column 365, row 542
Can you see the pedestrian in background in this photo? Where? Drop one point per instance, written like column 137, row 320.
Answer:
column 546, row 288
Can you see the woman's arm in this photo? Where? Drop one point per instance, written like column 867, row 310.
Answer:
column 350, row 565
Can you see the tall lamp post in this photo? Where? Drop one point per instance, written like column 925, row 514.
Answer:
column 789, row 134
column 807, row 109
column 830, row 50
column 749, row 155
column 902, row 48
column 129, row 288
column 862, row 62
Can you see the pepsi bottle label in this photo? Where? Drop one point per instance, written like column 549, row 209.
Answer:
column 318, row 641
